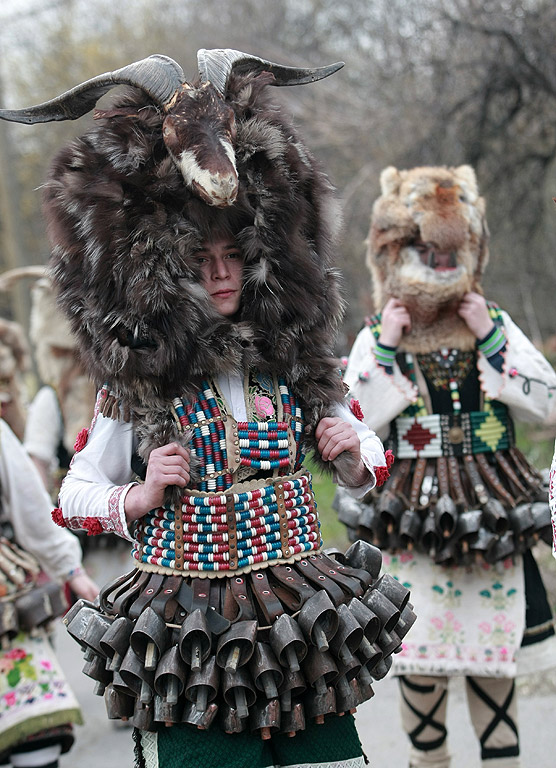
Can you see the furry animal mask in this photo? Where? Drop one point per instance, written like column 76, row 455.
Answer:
column 124, row 228
column 437, row 211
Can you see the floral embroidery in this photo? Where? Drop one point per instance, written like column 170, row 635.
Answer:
column 58, row 517
column 93, row 526
column 498, row 633
column 356, row 409
column 81, row 440
column 448, row 628
column 449, row 595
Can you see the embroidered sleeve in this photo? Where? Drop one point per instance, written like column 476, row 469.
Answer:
column 385, row 356
column 493, row 347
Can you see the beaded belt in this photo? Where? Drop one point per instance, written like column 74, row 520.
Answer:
column 437, row 435
column 250, row 524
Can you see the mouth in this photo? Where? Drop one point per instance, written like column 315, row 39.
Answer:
column 224, row 294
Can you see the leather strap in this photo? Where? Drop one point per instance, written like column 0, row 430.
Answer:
column 442, row 474
column 350, row 585
column 510, row 473
column 523, row 466
column 232, row 530
column 490, row 474
column 238, row 586
column 418, row 475
column 152, row 588
column 475, row 478
column 335, row 592
column 164, row 604
column 110, row 591
column 267, row 600
column 458, row 494
column 293, row 583
column 125, row 599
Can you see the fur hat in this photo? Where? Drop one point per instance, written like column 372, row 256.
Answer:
column 124, row 227
column 439, row 206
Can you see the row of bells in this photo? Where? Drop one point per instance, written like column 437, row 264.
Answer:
column 321, row 660
column 447, row 535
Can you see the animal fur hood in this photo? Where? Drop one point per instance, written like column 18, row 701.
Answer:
column 439, row 206
column 123, row 228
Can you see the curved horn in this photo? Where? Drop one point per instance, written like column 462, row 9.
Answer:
column 159, row 76
column 216, row 66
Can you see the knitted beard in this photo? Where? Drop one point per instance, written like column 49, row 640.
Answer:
column 430, row 205
column 124, row 228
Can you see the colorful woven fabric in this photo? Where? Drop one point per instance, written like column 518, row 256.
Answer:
column 437, row 435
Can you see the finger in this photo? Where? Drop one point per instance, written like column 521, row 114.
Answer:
column 346, row 444
column 171, row 449
column 331, row 440
column 324, row 424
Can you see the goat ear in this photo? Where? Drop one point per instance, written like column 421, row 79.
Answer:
column 390, row 180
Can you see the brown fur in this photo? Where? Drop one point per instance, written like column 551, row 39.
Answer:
column 438, row 205
column 124, row 226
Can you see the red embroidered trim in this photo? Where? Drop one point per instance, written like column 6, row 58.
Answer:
column 356, row 409
column 58, row 517
column 390, row 458
column 93, row 526
column 81, row 440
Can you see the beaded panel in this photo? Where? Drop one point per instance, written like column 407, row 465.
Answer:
column 261, row 444
column 233, row 530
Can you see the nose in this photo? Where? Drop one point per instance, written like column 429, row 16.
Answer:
column 220, row 268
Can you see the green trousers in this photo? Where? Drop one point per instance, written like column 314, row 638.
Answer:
column 334, row 744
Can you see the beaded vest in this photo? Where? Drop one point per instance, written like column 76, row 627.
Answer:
column 252, row 504
column 417, row 433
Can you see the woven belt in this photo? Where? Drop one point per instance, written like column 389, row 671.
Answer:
column 438, row 435
column 250, row 524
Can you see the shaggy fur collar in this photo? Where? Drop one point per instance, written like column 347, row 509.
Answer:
column 123, row 228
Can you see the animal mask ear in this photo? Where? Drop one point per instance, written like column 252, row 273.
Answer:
column 390, row 180
column 466, row 174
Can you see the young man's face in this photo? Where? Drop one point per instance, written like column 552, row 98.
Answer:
column 221, row 266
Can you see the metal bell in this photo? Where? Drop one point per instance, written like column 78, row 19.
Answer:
column 118, row 705
column 319, row 669
column 394, row 590
column 380, row 670
column 149, row 638
column 363, row 555
column 96, row 670
column 467, row 527
column 195, row 639
column 97, row 627
column 348, row 508
column 293, row 720
column 293, row 685
column 390, row 509
column 236, row 646
column 317, row 705
column 287, row 642
column 318, row 620
column 115, row 641
column 169, row 679
column 445, row 515
column 72, row 612
column 503, row 548
column 379, row 604
column 495, row 516
column 521, row 519
column 407, row 620
column 201, row 720
column 136, row 676
column 368, row 620
column 430, row 536
column 34, row 609
column 238, row 691
column 264, row 718
column 348, row 694
column 165, row 712
column 202, row 686
column 266, row 670
column 388, row 642
column 370, row 526
column 78, row 626
column 231, row 721
column 143, row 716
column 410, row 528
column 348, row 636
